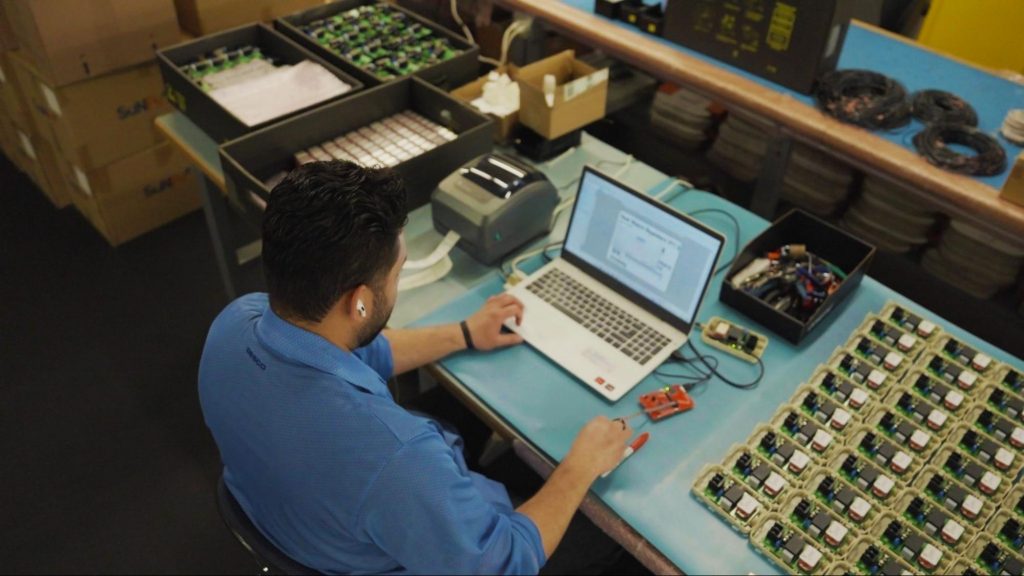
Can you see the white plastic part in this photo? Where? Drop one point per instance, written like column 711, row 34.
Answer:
column 952, row 532
column 876, row 378
column 883, row 486
column 809, row 559
column 967, row 379
column 746, row 507
column 929, row 557
column 953, row 400
column 821, row 441
column 906, row 343
column 840, row 418
column 919, row 440
column 858, row 398
column 981, row 362
column 989, row 482
column 937, row 419
column 859, row 509
column 925, row 328
column 1003, row 459
column 836, row 533
column 798, row 461
column 774, row 484
column 892, row 360
column 1017, row 437
column 971, row 507
column 901, row 462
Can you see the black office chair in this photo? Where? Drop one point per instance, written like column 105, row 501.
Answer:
column 270, row 559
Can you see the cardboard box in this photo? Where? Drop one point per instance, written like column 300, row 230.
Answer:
column 12, row 104
column 502, row 124
column 31, row 115
column 201, row 17
column 581, row 93
column 8, row 139
column 97, row 121
column 1013, row 190
column 38, row 159
column 135, row 194
column 72, row 40
column 8, row 41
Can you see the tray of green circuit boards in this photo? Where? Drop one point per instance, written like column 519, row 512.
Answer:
column 900, row 454
column 381, row 42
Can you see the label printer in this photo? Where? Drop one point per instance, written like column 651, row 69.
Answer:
column 496, row 204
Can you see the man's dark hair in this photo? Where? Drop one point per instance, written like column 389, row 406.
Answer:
column 329, row 227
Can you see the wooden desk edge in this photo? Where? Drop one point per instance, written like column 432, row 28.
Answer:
column 976, row 201
column 215, row 176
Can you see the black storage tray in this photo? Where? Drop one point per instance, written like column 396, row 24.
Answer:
column 449, row 75
column 211, row 117
column 253, row 159
column 847, row 252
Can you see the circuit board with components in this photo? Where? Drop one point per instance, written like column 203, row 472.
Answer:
column 901, row 454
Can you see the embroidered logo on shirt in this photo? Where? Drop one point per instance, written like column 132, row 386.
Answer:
column 255, row 359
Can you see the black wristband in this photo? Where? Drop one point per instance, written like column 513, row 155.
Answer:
column 466, row 336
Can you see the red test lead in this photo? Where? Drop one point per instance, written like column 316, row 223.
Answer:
column 633, row 447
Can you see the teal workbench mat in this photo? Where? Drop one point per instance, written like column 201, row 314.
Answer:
column 916, row 67
column 651, row 491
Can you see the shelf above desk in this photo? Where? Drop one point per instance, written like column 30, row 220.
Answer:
column 885, row 155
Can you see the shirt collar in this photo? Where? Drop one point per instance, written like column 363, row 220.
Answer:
column 304, row 347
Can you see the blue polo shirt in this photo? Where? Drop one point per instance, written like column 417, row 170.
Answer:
column 333, row 471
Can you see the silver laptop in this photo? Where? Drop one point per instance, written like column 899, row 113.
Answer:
column 626, row 290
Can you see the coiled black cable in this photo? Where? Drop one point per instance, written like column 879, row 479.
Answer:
column 939, row 106
column 934, row 144
column 864, row 98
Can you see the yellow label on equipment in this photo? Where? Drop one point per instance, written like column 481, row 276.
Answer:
column 780, row 31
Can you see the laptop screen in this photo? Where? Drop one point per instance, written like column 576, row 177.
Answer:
column 648, row 249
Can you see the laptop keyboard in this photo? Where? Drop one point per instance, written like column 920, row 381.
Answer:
column 604, row 319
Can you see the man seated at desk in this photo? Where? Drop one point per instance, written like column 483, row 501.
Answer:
column 324, row 462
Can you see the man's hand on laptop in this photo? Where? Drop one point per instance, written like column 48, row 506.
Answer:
column 599, row 446
column 485, row 326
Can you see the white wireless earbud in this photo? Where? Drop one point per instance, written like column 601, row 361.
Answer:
column 361, row 308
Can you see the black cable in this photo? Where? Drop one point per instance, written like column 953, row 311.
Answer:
column 934, row 144
column 736, row 226
column 864, row 98
column 703, row 358
column 939, row 106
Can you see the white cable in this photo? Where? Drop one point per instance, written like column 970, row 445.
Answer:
column 1013, row 126
column 458, row 20
column 432, row 268
column 621, row 171
column 490, row 61
column 568, row 201
column 426, row 276
column 671, row 186
column 513, row 30
column 516, row 272
column 441, row 251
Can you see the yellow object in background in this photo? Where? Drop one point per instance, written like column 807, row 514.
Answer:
column 988, row 33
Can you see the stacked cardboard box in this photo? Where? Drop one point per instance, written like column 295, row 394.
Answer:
column 20, row 139
column 202, row 17
column 89, row 90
